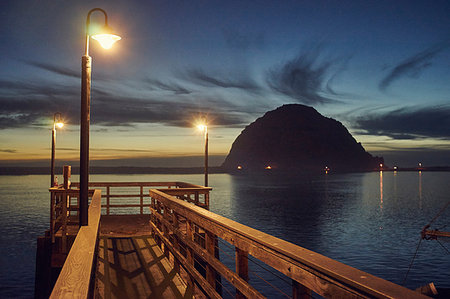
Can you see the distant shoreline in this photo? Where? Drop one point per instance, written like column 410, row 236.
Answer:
column 168, row 170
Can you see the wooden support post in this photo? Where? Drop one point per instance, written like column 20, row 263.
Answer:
column 52, row 215
column 241, row 267
column 63, row 203
column 67, row 174
column 300, row 291
column 189, row 251
column 207, row 200
column 176, row 263
column 107, row 199
column 142, row 199
column 210, row 244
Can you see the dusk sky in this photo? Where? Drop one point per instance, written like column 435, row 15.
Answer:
column 382, row 68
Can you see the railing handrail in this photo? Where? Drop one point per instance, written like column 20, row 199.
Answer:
column 137, row 184
column 74, row 281
column 318, row 273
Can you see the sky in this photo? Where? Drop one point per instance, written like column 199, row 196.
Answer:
column 382, row 68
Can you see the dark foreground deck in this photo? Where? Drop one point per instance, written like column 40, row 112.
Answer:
column 131, row 265
column 135, row 267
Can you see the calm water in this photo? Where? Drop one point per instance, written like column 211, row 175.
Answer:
column 370, row 221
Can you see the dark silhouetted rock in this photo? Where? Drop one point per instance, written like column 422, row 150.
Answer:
column 297, row 138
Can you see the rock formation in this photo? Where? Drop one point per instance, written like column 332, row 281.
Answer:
column 296, row 138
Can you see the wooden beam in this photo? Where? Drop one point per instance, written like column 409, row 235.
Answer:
column 75, row 277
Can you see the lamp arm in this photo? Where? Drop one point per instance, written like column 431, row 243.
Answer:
column 88, row 22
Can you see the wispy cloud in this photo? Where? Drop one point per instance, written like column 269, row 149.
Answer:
column 413, row 66
column 238, row 81
column 408, row 123
column 173, row 87
column 55, row 69
column 303, row 78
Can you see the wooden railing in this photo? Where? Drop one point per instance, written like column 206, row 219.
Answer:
column 137, row 193
column 188, row 233
column 74, row 281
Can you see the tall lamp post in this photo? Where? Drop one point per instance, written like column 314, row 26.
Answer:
column 106, row 40
column 57, row 122
column 204, row 128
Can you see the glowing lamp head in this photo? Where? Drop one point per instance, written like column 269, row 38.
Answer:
column 106, row 40
column 202, row 127
column 59, row 124
column 268, row 167
column 381, row 165
column 239, row 167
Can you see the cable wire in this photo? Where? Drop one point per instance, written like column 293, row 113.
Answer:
column 412, row 261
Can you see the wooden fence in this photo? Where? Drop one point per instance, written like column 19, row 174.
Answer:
column 189, row 233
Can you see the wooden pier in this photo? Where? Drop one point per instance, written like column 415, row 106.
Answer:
column 161, row 241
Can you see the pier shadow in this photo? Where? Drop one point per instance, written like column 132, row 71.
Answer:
column 135, row 267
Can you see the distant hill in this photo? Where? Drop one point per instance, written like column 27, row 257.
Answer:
column 297, row 138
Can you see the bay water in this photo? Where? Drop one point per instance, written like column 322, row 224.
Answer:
column 370, row 221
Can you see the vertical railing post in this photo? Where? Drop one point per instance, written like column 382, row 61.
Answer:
column 189, row 251
column 52, row 215
column 142, row 199
column 175, row 223
column 64, row 198
column 241, row 267
column 210, row 245
column 300, row 291
column 107, row 199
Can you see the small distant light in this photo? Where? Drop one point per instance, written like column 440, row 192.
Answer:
column 268, row 167
column 239, row 167
column 381, row 165
column 60, row 125
column 395, row 167
column 420, row 164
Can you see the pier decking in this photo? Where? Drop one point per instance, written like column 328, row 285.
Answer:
column 166, row 244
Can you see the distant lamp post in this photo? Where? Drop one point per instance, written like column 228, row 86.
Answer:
column 57, row 122
column 327, row 169
column 106, row 40
column 381, row 166
column 204, row 128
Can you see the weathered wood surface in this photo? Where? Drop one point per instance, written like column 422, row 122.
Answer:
column 75, row 277
column 325, row 276
column 124, row 225
column 136, row 268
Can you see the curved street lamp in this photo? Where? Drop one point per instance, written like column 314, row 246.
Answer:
column 204, row 127
column 57, row 122
column 106, row 40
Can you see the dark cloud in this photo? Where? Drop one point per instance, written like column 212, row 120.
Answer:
column 55, row 69
column 413, row 66
column 302, row 78
column 10, row 151
column 173, row 87
column 408, row 123
column 202, row 78
column 27, row 104
column 240, row 41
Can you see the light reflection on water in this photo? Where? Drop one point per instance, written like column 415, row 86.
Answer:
column 371, row 221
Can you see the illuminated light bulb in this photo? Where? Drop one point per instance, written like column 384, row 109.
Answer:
column 201, row 127
column 239, row 167
column 60, row 124
column 106, row 40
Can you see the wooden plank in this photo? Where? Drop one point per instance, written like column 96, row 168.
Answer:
column 323, row 275
column 75, row 277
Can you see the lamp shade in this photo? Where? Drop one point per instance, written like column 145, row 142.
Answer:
column 106, row 40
